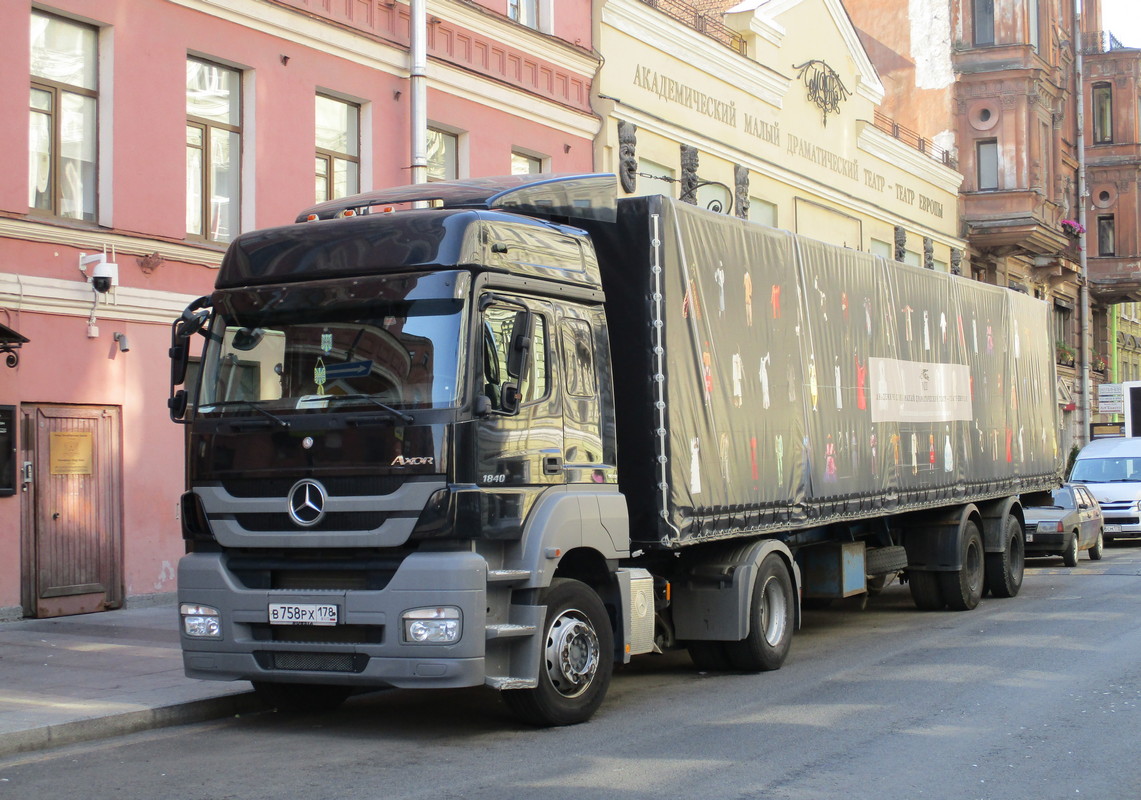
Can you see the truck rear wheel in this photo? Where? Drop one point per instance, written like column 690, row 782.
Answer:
column 577, row 659
column 304, row 698
column 770, row 621
column 963, row 589
column 925, row 590
column 1004, row 571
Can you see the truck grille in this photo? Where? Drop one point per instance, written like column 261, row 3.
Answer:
column 311, row 662
column 351, row 486
column 318, row 634
column 342, row 521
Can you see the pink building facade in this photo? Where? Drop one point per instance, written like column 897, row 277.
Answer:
column 156, row 131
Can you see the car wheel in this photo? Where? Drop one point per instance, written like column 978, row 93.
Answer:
column 1070, row 554
column 1095, row 552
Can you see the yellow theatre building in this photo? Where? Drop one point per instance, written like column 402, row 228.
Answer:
column 767, row 111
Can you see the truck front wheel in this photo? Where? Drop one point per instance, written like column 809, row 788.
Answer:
column 577, row 659
column 770, row 621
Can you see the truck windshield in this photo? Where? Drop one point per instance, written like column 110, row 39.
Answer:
column 392, row 354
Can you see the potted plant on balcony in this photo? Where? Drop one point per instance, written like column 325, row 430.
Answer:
column 1072, row 228
column 1098, row 363
column 1064, row 354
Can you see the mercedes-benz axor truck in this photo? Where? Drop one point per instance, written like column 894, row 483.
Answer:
column 511, row 432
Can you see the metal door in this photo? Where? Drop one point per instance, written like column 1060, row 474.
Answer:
column 72, row 543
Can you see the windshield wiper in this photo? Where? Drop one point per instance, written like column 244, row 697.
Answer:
column 249, row 404
column 400, row 415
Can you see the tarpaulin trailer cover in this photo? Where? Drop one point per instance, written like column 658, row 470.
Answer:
column 769, row 382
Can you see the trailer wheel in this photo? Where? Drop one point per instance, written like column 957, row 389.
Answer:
column 963, row 589
column 1004, row 571
column 770, row 621
column 578, row 658
column 925, row 590
column 302, row 698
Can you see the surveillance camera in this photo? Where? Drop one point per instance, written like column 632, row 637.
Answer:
column 104, row 275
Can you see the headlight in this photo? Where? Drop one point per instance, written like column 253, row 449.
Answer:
column 1049, row 527
column 200, row 622
column 440, row 625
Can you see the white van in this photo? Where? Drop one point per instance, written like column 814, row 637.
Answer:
column 1111, row 468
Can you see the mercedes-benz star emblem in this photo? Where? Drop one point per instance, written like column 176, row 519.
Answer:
column 307, row 503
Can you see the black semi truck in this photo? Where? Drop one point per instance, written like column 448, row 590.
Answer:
column 512, row 431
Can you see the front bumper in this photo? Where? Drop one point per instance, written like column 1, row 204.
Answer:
column 366, row 648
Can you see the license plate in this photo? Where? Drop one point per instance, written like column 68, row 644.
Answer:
column 302, row 614
column 1113, row 529
column 1029, row 537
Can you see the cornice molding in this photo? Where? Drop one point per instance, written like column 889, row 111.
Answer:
column 880, row 145
column 33, row 294
column 95, row 239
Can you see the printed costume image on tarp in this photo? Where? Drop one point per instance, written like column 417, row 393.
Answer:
column 806, row 381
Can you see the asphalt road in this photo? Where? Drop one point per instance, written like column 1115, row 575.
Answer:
column 1036, row 697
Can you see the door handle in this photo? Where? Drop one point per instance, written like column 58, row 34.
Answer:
column 552, row 465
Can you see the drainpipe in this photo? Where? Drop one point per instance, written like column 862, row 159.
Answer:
column 418, row 86
column 1085, row 404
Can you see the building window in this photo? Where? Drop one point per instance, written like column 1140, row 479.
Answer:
column 762, row 211
column 213, row 150
column 62, row 125
column 1105, row 238
column 525, row 12
column 1034, row 21
column 443, row 155
column 1102, row 113
column 987, row 157
column 523, row 164
column 338, row 148
column 983, row 13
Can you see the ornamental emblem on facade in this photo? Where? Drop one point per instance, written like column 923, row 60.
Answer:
column 824, row 86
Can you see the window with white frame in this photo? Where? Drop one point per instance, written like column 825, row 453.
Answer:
column 338, row 148
column 62, row 125
column 443, row 155
column 525, row 12
column 524, row 164
column 213, row 150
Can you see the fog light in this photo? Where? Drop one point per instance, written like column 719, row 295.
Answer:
column 200, row 622
column 440, row 625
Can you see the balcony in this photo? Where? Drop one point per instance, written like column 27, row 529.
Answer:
column 913, row 139
column 1013, row 222
column 708, row 24
column 1114, row 279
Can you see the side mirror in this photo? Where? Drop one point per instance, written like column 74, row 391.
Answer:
column 520, row 344
column 177, row 403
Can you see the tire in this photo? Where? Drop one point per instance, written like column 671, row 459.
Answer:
column 1098, row 549
column 963, row 589
column 1005, row 570
column 1070, row 554
column 925, row 590
column 771, row 621
column 709, row 656
column 301, row 698
column 577, row 662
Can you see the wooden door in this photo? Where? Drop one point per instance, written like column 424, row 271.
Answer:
column 72, row 522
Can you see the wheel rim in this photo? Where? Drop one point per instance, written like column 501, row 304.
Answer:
column 774, row 611
column 572, row 653
column 974, row 566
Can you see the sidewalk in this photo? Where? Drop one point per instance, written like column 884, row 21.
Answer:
column 73, row 679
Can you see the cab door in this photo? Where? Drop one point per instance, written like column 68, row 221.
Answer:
column 520, row 431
